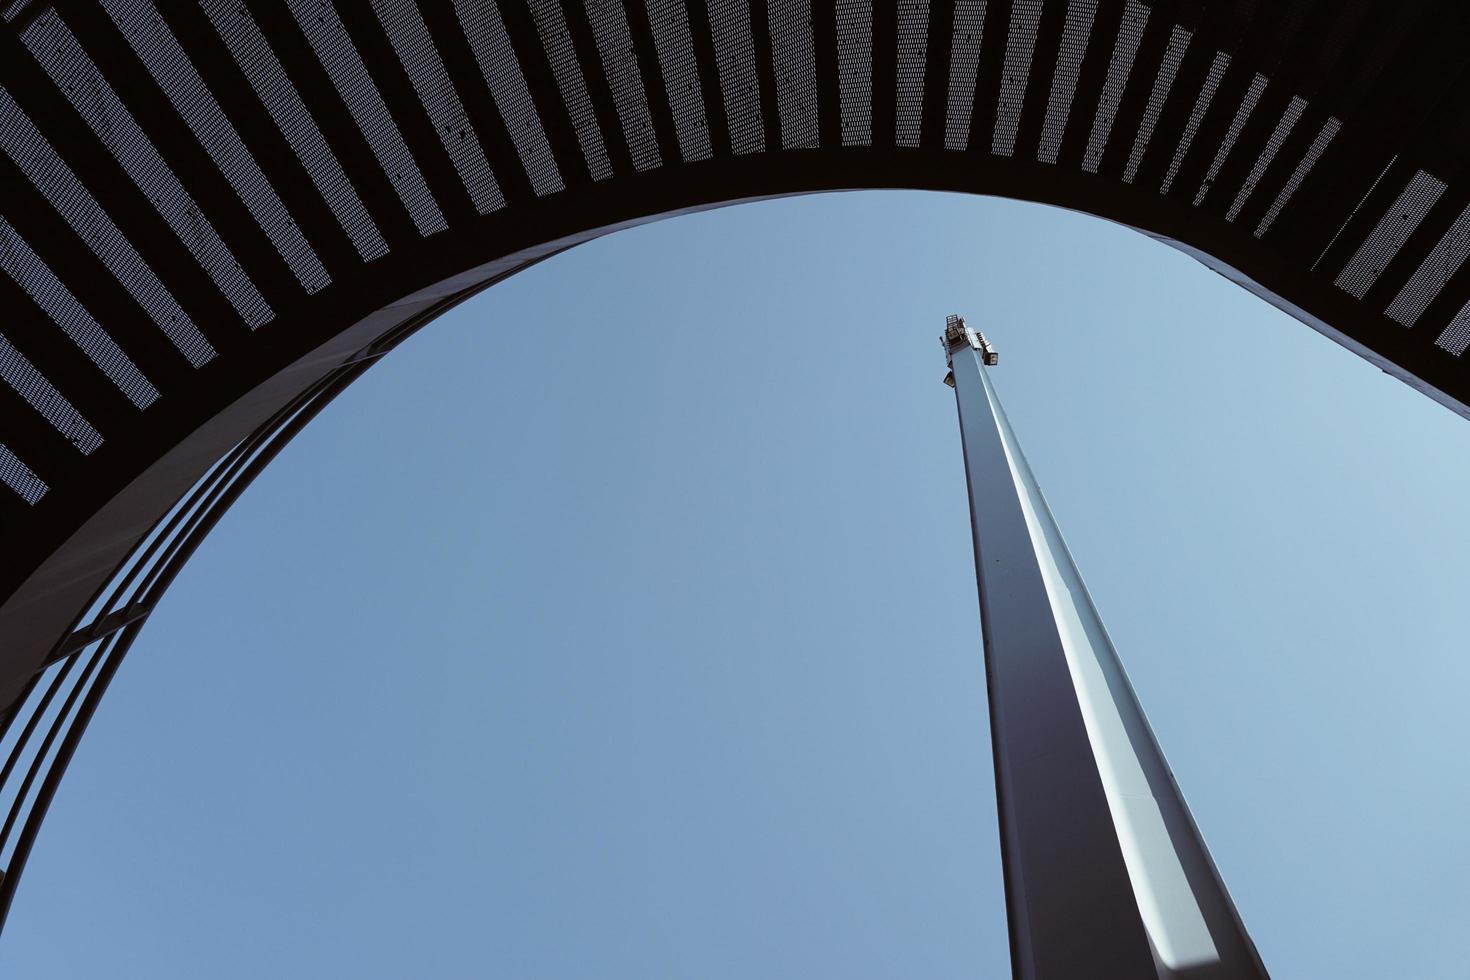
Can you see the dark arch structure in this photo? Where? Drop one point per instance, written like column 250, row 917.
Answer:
column 214, row 214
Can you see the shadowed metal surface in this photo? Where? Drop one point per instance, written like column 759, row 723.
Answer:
column 212, row 210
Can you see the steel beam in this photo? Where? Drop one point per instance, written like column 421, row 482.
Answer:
column 1106, row 875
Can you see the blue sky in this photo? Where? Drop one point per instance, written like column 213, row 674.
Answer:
column 622, row 624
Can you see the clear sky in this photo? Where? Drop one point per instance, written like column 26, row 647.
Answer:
column 622, row 624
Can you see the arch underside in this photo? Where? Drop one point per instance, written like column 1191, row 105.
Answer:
column 215, row 215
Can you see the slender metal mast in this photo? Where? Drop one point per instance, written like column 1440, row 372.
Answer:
column 1106, row 875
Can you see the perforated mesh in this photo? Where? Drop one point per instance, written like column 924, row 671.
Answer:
column 1075, row 31
column 735, row 55
column 1178, row 42
column 669, row 22
column 33, row 276
column 24, row 144
column 1283, row 129
column 1308, row 161
column 334, row 49
column 42, row 395
column 796, row 72
column 1456, row 336
column 420, row 59
column 1242, row 114
column 551, row 26
column 1125, row 49
column 158, row 49
column 1442, row 262
column 1025, row 16
column 855, row 70
column 497, row 60
column 1389, row 235
column 964, row 66
column 913, row 42
column 20, row 478
column 77, row 77
column 1201, row 104
column 609, row 21
column 237, row 28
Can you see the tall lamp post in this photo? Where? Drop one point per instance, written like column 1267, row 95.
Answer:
column 1106, row 875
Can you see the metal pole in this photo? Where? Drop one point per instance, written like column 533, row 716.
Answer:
column 1106, row 874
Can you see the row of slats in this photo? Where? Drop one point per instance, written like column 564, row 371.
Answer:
column 178, row 174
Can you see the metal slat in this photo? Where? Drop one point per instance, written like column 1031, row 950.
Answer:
column 709, row 77
column 127, row 205
column 1445, row 306
column 42, row 342
column 1290, row 53
column 484, row 116
column 408, row 113
column 1421, row 241
column 884, row 77
column 987, row 81
column 1194, row 68
column 651, row 72
column 190, row 162
column 1246, row 48
column 1362, row 219
column 346, row 140
column 584, row 44
column 934, row 120
column 280, row 165
column 829, row 92
column 90, row 281
column 1354, row 29
column 765, row 73
column 520, row 26
column 1039, row 82
column 1146, row 66
column 36, row 442
column 1389, row 59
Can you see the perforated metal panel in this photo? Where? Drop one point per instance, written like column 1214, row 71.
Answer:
column 855, row 70
column 796, row 72
column 1443, row 261
column 42, row 395
column 1456, row 336
column 551, row 27
column 1303, row 168
column 334, row 49
column 26, row 269
column 1278, row 136
column 1389, row 235
column 425, row 69
column 238, row 30
column 24, row 144
column 913, row 45
column 77, row 76
column 969, row 32
column 1242, row 114
column 20, row 478
column 735, row 55
column 669, row 22
column 1020, row 44
column 1075, row 32
column 497, row 59
column 1179, row 39
column 1201, row 105
column 1125, row 49
column 609, row 21
column 150, row 37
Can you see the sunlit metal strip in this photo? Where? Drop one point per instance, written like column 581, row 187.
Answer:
column 1106, row 875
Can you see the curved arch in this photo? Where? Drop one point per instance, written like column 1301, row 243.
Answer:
column 164, row 175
